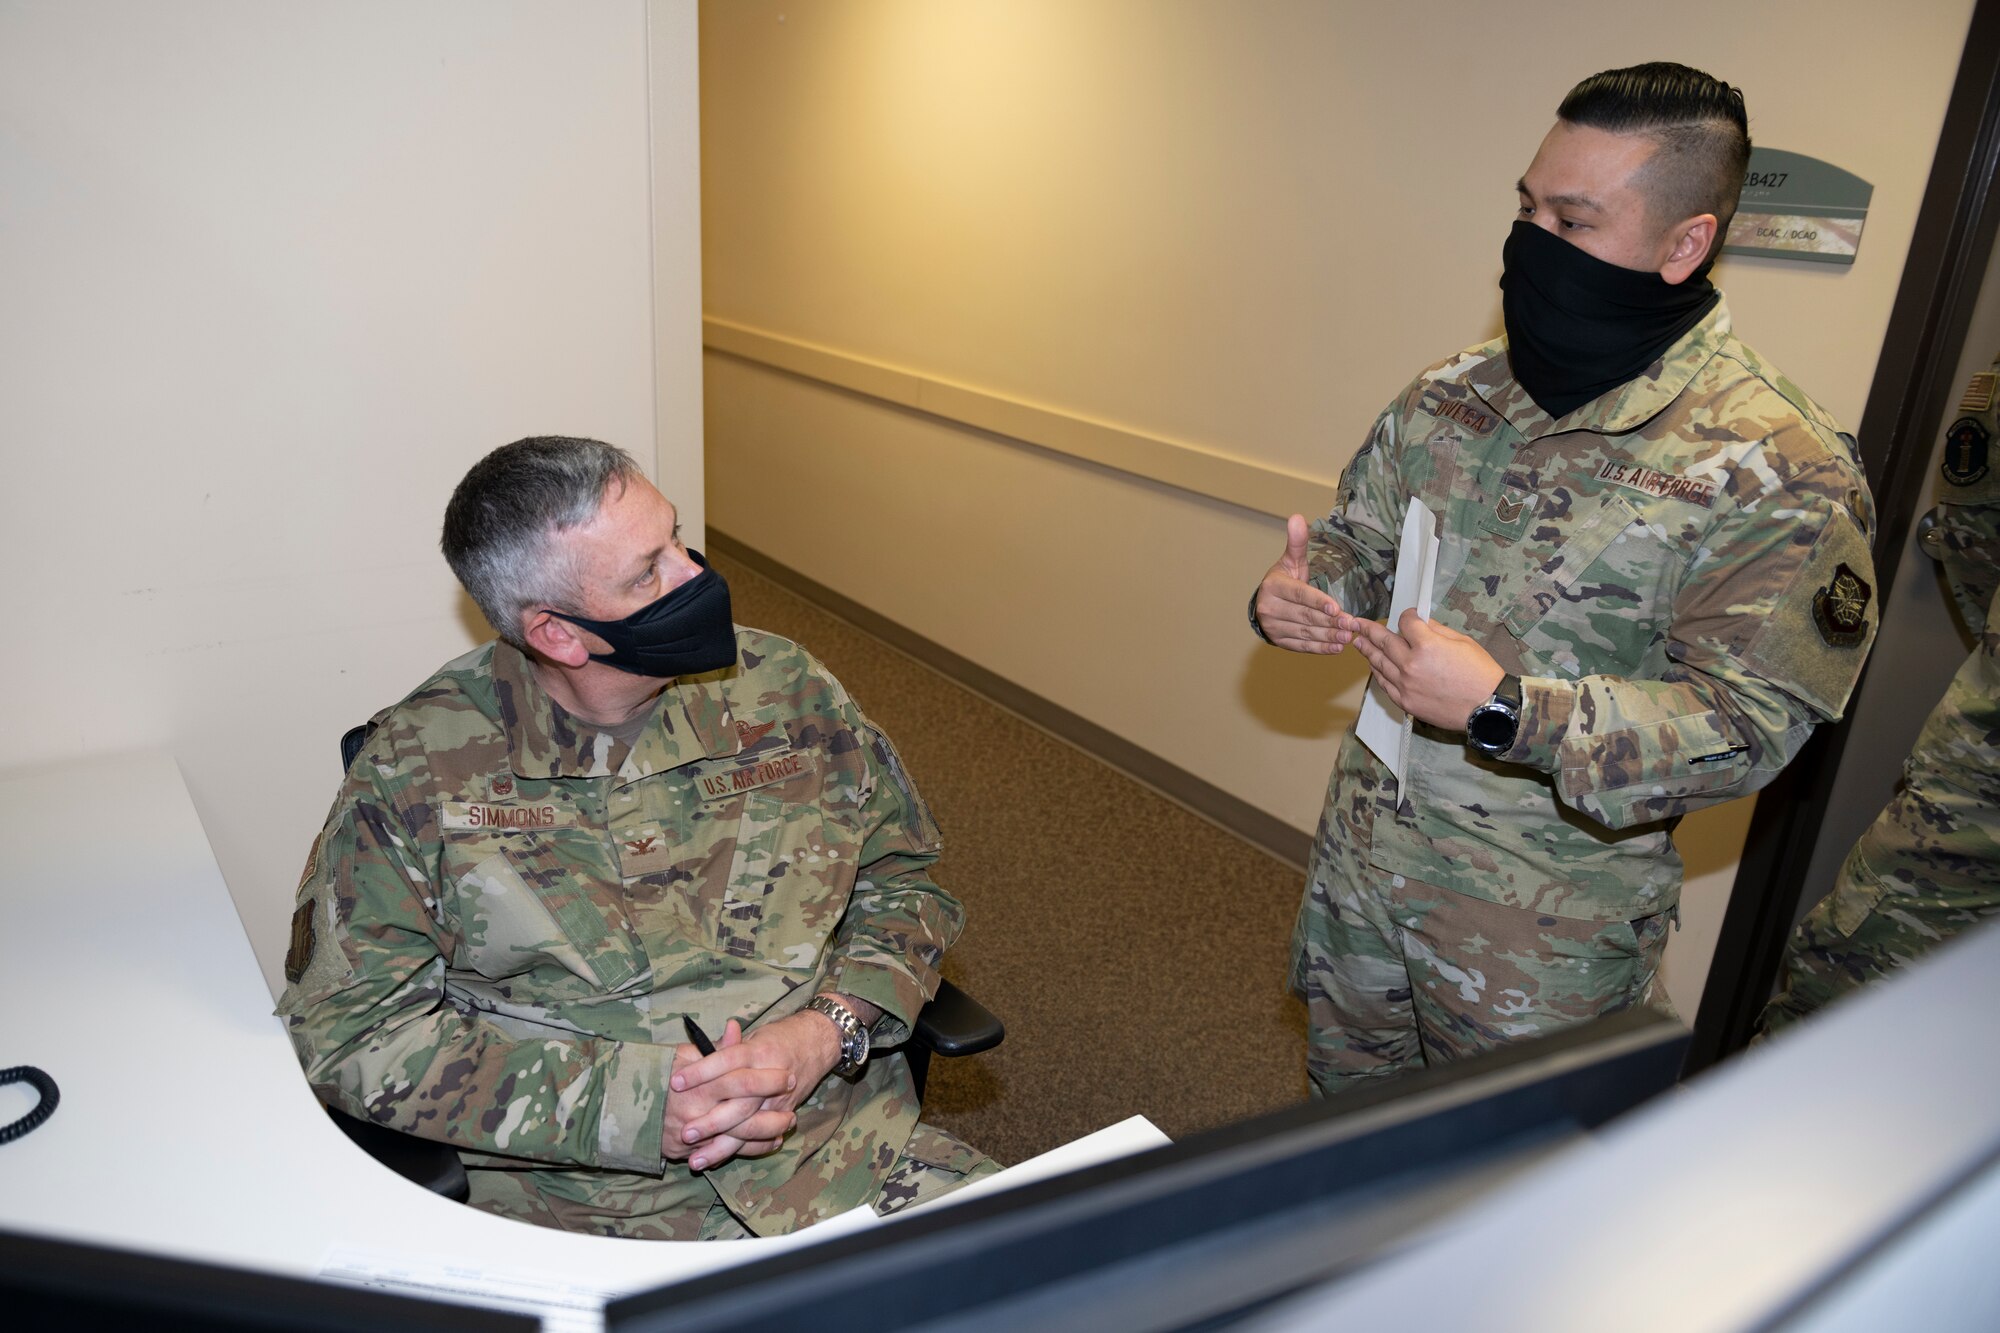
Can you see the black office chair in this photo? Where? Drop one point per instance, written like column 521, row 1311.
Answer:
column 951, row 1025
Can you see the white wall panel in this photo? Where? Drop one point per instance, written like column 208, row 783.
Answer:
column 274, row 275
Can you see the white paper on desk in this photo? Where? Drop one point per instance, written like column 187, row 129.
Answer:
column 1383, row 727
column 1131, row 1135
column 568, row 1304
column 561, row 1303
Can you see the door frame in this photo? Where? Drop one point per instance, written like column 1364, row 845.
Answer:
column 1912, row 389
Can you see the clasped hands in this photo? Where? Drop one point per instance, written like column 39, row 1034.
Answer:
column 1433, row 673
column 741, row 1100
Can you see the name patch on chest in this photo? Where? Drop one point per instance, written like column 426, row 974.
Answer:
column 745, row 777
column 1694, row 490
column 1466, row 415
column 522, row 817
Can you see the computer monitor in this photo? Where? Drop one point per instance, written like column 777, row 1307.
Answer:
column 1194, row 1233
column 1205, row 1230
column 50, row 1283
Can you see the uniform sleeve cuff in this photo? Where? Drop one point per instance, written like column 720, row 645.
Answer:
column 1547, row 705
column 633, row 1111
column 896, row 993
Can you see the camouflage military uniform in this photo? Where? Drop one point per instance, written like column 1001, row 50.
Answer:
column 509, row 912
column 1929, row 866
column 1678, row 571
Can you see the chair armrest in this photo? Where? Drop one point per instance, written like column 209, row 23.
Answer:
column 351, row 742
column 433, row 1165
column 954, row 1023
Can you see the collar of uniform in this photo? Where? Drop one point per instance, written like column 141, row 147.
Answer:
column 1626, row 408
column 540, row 741
column 691, row 721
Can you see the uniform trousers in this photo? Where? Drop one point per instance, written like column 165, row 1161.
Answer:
column 684, row 1207
column 1398, row 974
column 1867, row 927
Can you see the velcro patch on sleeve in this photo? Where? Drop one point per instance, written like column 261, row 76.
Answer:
column 925, row 826
column 1814, row 642
column 316, row 961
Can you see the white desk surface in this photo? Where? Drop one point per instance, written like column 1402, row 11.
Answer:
column 185, row 1126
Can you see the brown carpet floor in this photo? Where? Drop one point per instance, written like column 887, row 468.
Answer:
column 1136, row 953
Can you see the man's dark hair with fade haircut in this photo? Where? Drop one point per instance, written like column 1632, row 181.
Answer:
column 1697, row 120
column 501, row 524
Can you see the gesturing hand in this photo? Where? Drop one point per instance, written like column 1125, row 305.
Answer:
column 740, row 1108
column 1293, row 613
column 1434, row 674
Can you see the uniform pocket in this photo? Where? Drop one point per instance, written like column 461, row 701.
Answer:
column 525, row 900
column 1679, row 758
column 1560, row 579
column 932, row 1164
column 1644, row 941
column 790, row 876
column 1855, row 894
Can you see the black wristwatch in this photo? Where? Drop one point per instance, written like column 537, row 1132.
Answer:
column 1256, row 626
column 1494, row 724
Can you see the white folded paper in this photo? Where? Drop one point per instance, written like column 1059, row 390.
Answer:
column 1383, row 727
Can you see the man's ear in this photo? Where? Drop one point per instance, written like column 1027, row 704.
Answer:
column 555, row 638
column 1693, row 240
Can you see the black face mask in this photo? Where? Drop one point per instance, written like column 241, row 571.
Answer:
column 684, row 633
column 1578, row 327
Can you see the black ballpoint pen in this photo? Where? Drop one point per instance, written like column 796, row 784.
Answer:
column 697, row 1036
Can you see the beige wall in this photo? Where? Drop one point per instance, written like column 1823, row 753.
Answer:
column 1201, row 229
column 275, row 274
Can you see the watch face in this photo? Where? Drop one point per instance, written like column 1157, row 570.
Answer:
column 1491, row 729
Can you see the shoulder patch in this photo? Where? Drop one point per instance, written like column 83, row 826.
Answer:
column 1965, row 452
column 312, row 861
column 1840, row 608
column 1979, row 392
column 305, row 934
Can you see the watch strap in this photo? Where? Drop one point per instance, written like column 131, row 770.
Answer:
column 1256, row 625
column 853, row 1036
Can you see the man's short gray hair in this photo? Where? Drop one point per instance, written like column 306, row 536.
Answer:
column 501, row 525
